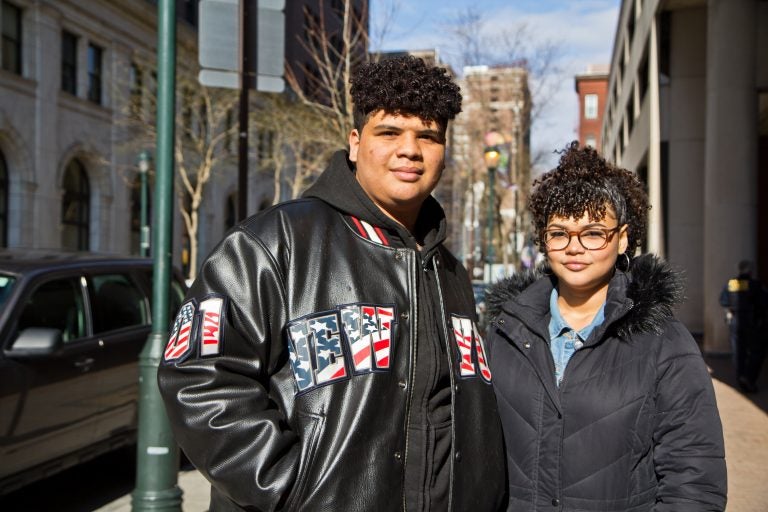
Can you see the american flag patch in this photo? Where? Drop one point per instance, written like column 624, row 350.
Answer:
column 471, row 348
column 211, row 310
column 179, row 340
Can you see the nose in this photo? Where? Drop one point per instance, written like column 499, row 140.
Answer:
column 409, row 146
column 574, row 245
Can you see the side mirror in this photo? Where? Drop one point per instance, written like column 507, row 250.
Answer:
column 36, row 341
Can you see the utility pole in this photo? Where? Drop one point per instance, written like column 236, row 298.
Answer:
column 157, row 463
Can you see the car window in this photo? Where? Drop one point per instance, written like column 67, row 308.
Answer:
column 6, row 285
column 56, row 304
column 117, row 303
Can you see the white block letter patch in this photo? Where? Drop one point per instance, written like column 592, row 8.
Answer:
column 471, row 348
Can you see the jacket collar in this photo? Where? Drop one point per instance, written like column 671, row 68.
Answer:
column 639, row 301
column 338, row 187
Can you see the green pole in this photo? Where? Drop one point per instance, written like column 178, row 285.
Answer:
column 157, row 462
column 491, row 208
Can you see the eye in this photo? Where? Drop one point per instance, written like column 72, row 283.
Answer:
column 592, row 233
column 555, row 234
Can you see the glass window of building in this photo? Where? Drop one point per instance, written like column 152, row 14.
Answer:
column 95, row 54
column 590, row 106
column 69, row 62
column 3, row 202
column 590, row 141
column 11, row 42
column 75, row 208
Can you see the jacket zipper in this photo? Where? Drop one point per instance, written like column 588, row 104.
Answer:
column 414, row 328
column 443, row 321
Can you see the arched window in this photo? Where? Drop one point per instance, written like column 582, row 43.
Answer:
column 75, row 208
column 3, row 202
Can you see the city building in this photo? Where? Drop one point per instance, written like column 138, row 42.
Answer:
column 688, row 111
column 496, row 112
column 72, row 75
column 592, row 88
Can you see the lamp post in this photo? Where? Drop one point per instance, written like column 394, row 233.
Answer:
column 144, row 161
column 491, row 156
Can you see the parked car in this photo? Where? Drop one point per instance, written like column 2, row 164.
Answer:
column 71, row 330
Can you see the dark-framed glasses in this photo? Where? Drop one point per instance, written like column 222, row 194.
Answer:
column 592, row 238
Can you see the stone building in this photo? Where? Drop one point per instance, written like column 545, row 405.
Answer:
column 688, row 111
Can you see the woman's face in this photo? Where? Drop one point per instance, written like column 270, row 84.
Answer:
column 580, row 270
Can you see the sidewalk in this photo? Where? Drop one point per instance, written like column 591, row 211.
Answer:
column 745, row 426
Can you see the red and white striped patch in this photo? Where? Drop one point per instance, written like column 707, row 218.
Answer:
column 370, row 232
column 210, row 333
column 179, row 341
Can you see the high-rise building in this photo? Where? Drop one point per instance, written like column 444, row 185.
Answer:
column 496, row 112
column 688, row 112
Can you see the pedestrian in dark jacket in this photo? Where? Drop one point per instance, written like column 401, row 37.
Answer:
column 326, row 358
column 605, row 401
column 745, row 300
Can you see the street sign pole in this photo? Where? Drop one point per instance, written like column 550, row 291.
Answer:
column 157, row 462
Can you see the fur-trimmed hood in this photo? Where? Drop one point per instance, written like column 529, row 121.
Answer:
column 650, row 291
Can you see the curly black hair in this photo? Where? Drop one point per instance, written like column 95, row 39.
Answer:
column 404, row 85
column 584, row 181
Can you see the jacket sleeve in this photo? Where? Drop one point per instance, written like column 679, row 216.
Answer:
column 223, row 415
column 689, row 454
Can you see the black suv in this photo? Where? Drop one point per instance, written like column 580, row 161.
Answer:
column 71, row 329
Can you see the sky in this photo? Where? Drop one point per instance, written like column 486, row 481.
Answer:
column 581, row 30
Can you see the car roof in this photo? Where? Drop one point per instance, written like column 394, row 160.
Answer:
column 18, row 261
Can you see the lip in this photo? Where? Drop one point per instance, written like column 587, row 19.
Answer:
column 407, row 173
column 575, row 266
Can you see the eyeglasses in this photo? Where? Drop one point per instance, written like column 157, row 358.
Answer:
column 591, row 238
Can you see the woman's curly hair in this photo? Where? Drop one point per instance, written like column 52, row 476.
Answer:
column 404, row 85
column 584, row 181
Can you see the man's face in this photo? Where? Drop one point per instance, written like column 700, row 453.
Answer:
column 399, row 162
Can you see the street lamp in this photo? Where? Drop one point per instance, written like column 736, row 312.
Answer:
column 492, row 155
column 145, row 158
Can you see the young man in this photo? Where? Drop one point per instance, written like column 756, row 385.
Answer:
column 326, row 358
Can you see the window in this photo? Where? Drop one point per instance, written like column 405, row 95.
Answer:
column 137, row 89
column 75, row 208
column 590, row 106
column 3, row 202
column 11, row 42
column 590, row 141
column 58, row 305
column 265, row 146
column 117, row 303
column 69, row 63
column 94, row 73
column 230, row 217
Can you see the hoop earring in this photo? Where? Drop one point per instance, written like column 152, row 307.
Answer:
column 623, row 264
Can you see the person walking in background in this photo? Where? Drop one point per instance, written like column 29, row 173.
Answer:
column 326, row 357
column 605, row 400
column 745, row 300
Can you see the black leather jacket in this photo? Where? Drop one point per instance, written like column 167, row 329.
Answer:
column 293, row 408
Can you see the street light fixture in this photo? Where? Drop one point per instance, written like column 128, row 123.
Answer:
column 144, row 161
column 492, row 155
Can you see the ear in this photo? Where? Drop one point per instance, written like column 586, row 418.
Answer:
column 354, row 145
column 623, row 239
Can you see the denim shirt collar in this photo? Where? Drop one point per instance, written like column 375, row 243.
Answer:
column 558, row 325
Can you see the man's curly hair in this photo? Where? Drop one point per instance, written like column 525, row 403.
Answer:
column 584, row 181
column 404, row 85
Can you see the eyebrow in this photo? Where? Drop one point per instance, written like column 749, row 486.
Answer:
column 590, row 225
column 389, row 127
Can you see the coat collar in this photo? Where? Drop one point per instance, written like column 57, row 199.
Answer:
column 639, row 301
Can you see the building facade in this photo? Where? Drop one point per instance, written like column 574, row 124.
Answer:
column 592, row 89
column 688, row 111
column 496, row 112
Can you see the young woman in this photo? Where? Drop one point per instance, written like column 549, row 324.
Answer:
column 605, row 401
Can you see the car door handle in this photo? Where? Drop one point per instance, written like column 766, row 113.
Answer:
column 84, row 364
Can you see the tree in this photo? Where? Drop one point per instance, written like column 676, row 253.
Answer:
column 205, row 134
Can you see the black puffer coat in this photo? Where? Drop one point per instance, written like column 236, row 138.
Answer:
column 633, row 426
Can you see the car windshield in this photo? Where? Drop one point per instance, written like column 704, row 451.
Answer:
column 6, row 285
